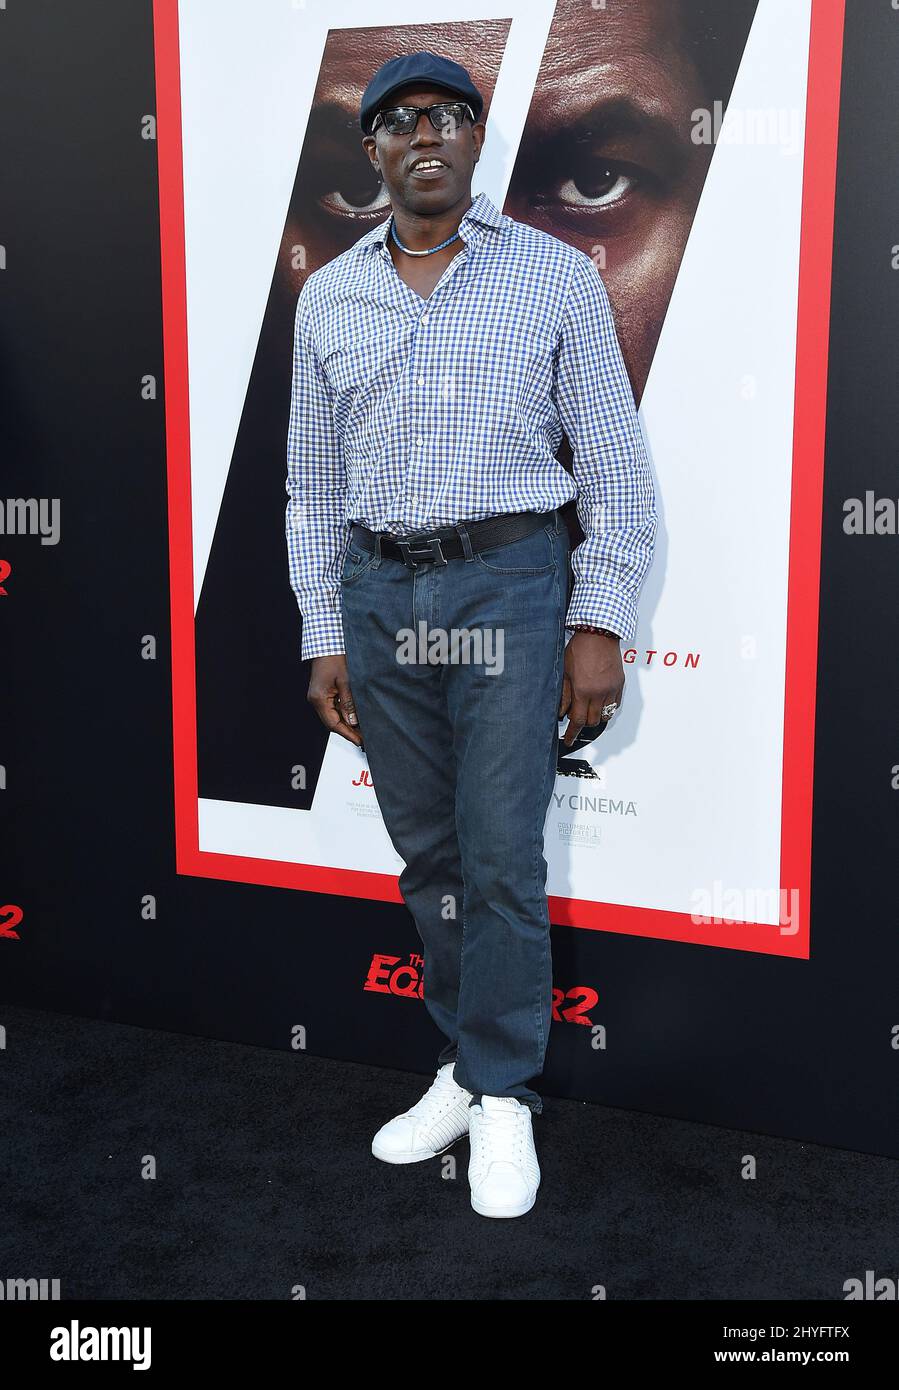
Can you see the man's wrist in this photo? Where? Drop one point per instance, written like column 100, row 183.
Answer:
column 587, row 627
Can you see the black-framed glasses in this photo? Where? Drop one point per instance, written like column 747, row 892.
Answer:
column 402, row 120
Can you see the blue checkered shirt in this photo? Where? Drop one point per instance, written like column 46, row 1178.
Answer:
column 410, row 414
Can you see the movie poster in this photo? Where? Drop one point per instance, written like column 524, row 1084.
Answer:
column 689, row 147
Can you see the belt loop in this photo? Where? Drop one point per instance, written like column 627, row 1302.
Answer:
column 378, row 557
column 464, row 537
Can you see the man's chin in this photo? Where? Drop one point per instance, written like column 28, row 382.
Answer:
column 430, row 201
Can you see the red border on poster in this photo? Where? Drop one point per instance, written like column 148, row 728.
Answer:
column 815, row 261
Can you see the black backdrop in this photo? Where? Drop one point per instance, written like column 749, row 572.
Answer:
column 798, row 1048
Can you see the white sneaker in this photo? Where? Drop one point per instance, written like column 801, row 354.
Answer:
column 503, row 1171
column 429, row 1127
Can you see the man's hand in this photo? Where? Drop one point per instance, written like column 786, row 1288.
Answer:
column 330, row 696
column 594, row 676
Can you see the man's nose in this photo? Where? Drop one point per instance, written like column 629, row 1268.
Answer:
column 424, row 129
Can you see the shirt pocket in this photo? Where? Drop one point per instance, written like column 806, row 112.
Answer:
column 353, row 363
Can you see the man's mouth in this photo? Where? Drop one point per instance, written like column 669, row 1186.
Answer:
column 428, row 168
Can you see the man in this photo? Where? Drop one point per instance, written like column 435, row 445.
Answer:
column 437, row 363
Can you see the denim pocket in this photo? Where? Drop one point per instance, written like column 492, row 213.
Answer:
column 356, row 563
column 533, row 554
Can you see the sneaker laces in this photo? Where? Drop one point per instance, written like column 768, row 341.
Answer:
column 441, row 1095
column 502, row 1132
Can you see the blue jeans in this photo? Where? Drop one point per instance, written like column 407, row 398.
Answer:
column 462, row 753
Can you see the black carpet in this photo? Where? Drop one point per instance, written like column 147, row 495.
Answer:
column 264, row 1181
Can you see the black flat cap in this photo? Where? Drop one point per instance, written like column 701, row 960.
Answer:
column 427, row 69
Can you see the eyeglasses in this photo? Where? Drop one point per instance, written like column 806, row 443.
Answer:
column 402, row 120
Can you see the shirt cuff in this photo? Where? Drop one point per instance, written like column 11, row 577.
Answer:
column 322, row 634
column 599, row 606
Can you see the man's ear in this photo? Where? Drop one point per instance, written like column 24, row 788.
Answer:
column 370, row 144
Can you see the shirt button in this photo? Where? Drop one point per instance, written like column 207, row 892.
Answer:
column 421, row 381
column 424, row 318
column 419, row 440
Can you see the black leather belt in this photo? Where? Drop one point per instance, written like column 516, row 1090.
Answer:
column 437, row 547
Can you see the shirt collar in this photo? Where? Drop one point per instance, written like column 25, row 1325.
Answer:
column 480, row 216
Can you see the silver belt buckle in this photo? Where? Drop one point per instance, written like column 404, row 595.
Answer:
column 427, row 551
